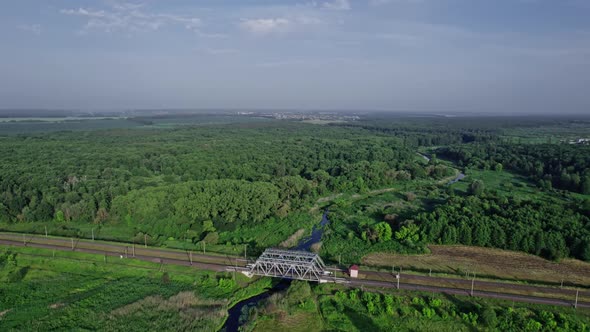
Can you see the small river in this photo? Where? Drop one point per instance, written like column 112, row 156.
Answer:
column 238, row 314
column 459, row 177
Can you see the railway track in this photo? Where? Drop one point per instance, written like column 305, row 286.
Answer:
column 455, row 286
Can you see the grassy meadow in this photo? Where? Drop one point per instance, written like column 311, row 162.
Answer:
column 74, row 291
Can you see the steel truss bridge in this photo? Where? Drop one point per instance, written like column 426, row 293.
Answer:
column 289, row 264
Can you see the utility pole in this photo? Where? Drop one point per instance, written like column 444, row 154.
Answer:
column 93, row 234
column 398, row 277
column 72, row 244
column 339, row 259
column 53, row 253
column 430, row 272
column 145, row 240
column 134, row 250
column 576, row 304
column 245, row 249
column 190, row 256
column 472, row 283
column 203, row 246
column 45, row 231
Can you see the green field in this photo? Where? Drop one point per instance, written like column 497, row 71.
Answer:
column 503, row 183
column 68, row 291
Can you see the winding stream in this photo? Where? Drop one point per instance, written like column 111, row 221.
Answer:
column 238, row 314
column 459, row 177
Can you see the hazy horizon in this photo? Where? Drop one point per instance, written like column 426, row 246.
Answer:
column 423, row 56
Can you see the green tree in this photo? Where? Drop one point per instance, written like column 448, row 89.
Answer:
column 384, row 232
column 211, row 238
column 408, row 235
column 476, row 188
column 489, row 317
column 556, row 247
column 449, row 235
column 586, row 185
column 59, row 216
column 585, row 252
column 465, row 234
column 208, row 226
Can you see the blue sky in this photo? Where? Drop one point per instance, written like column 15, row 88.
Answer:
column 416, row 55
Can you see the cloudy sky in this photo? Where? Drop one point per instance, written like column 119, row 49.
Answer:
column 422, row 55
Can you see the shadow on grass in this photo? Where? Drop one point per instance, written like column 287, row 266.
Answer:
column 462, row 306
column 361, row 321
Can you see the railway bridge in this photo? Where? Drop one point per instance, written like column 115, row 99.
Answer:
column 289, row 264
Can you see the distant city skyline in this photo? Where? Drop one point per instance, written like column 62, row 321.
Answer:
column 505, row 56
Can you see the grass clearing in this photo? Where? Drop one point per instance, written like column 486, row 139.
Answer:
column 295, row 322
column 505, row 183
column 293, row 239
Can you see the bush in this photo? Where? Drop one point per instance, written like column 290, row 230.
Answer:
column 488, row 317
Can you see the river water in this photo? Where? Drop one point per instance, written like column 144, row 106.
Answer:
column 459, row 177
column 238, row 314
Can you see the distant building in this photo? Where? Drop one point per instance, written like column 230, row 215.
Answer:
column 580, row 141
column 353, row 271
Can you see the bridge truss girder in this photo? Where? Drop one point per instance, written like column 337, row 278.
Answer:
column 289, row 264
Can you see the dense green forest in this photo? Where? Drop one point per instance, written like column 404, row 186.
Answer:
column 168, row 182
column 228, row 182
column 546, row 229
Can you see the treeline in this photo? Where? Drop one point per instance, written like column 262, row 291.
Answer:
column 562, row 166
column 69, row 176
column 427, row 136
column 547, row 229
column 347, row 310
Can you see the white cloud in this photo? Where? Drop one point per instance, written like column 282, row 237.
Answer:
column 84, row 12
column 32, row 28
column 386, row 2
column 283, row 24
column 265, row 25
column 337, row 5
column 126, row 17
